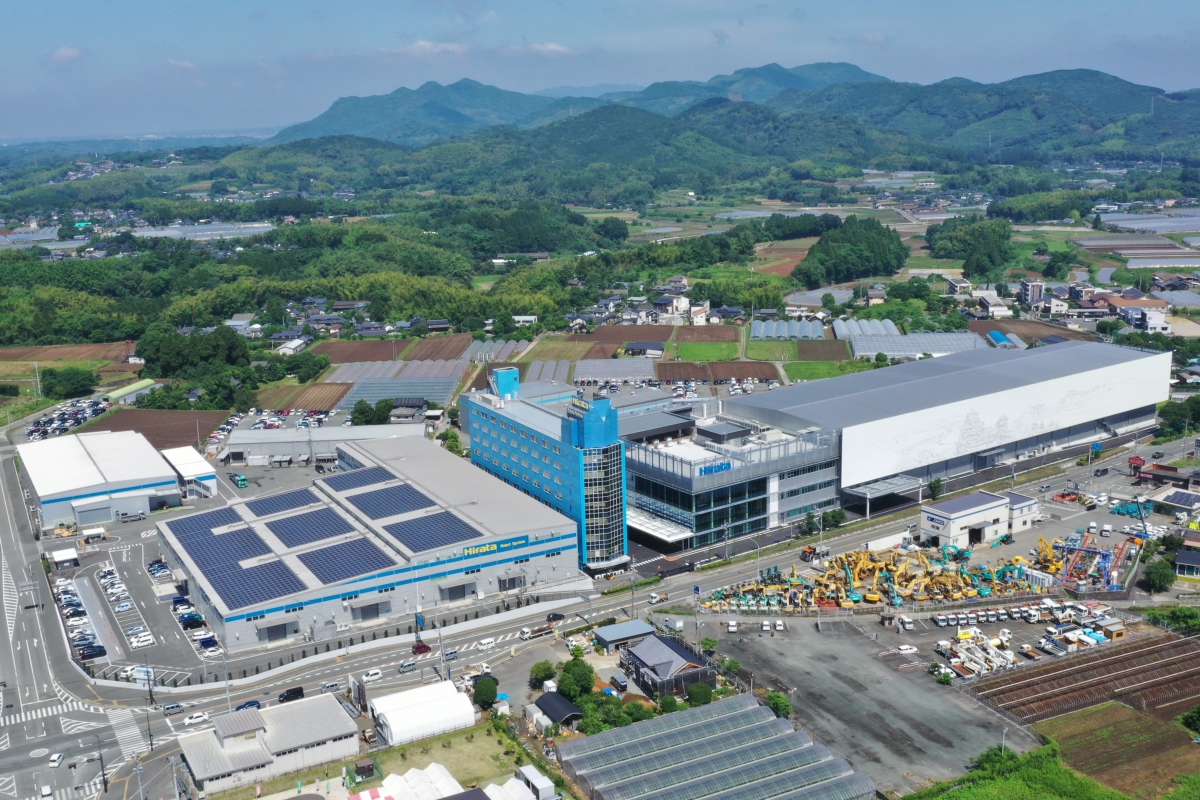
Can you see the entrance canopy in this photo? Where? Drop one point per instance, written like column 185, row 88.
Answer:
column 896, row 484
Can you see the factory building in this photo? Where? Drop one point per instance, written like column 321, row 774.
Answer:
column 700, row 473
column 402, row 525
column 90, row 479
column 562, row 450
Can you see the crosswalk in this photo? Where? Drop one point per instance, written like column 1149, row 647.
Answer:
column 129, row 735
column 46, row 711
column 85, row 790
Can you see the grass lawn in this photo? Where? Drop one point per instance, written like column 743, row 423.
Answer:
column 1186, row 462
column 469, row 755
column 771, row 351
column 481, row 283
column 708, row 351
column 812, row 370
column 1037, row 774
column 25, row 369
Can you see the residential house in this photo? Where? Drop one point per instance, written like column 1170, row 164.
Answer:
column 731, row 315
column 438, row 325
column 960, row 285
column 1131, row 310
column 314, row 302
column 1032, row 291
column 370, row 330
column 577, row 323
column 322, row 321
column 294, row 346
column 351, row 305
column 610, row 303
column 876, row 295
column 767, row 313
column 647, row 349
column 286, row 336
column 661, row 666
column 240, row 321
column 637, row 300
column 671, row 304
column 1052, row 305
column 678, row 282
column 698, row 313
column 1153, row 321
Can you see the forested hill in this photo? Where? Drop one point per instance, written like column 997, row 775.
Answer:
column 1068, row 111
column 612, row 154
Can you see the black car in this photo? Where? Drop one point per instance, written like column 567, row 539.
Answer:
column 248, row 704
column 295, row 693
column 74, row 612
column 192, row 624
column 92, row 651
column 554, row 616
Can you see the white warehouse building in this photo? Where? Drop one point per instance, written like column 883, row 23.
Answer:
column 93, row 478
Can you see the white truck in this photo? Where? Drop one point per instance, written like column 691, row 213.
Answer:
column 534, row 633
column 657, row 598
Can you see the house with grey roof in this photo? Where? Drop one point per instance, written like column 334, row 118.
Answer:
column 663, row 665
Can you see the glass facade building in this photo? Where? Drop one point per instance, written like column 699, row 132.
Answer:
column 567, row 454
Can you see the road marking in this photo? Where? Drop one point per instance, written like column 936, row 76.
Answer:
column 4, row 744
column 148, row 534
column 48, row 711
column 129, row 734
column 8, row 785
column 90, row 788
column 73, row 726
column 10, row 597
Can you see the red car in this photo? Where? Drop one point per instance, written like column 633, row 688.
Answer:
column 420, row 648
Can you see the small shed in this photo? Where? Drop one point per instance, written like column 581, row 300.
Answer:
column 623, row 634
column 65, row 559
column 559, row 709
column 1187, row 563
column 647, row 349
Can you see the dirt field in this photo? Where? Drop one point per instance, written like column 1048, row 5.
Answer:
column 1126, row 750
column 481, row 379
column 321, row 396
column 279, row 396
column 557, row 348
column 1029, row 330
column 445, row 347
column 163, row 428
column 354, row 352
column 602, row 349
column 627, row 333
column 682, row 371
column 112, row 351
column 708, row 333
column 828, row 350
column 782, row 257
column 743, row 369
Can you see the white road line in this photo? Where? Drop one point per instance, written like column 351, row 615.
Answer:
column 91, row 787
column 8, row 785
column 48, row 711
column 129, row 734
column 10, row 597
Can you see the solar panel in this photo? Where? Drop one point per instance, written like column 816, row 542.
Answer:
column 433, row 531
column 1182, row 499
column 346, row 560
column 205, row 522
column 245, row 587
column 390, row 501
column 281, row 502
column 357, row 478
column 310, row 527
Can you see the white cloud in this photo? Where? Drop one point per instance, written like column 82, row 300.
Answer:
column 66, row 54
column 421, row 47
column 872, row 38
column 551, row 48
column 181, row 64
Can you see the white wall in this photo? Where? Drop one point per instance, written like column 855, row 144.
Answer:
column 889, row 446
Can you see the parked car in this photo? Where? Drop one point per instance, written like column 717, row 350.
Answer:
column 123, row 607
column 92, row 651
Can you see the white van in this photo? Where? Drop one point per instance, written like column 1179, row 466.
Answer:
column 732, row 626
column 487, row 644
column 1106, row 530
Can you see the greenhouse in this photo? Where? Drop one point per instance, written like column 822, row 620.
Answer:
column 732, row 749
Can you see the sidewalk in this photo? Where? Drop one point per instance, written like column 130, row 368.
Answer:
column 331, row 789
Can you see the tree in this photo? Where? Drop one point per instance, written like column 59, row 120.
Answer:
column 579, row 678
column 831, row 519
column 614, row 229
column 541, row 672
column 828, row 301
column 1097, row 223
column 1109, row 326
column 667, row 703
column 59, row 384
column 1159, row 576
column 453, row 443
column 1058, row 265
column 699, row 694
column 779, row 703
column 485, row 693
column 244, row 398
column 708, row 644
column 1191, row 719
column 639, row 712
column 935, row 488
column 881, row 358
column 1171, row 543
column 362, row 413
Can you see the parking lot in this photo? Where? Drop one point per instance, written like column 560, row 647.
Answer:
column 851, row 689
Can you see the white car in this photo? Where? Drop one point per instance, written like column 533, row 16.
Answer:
column 372, row 675
column 138, row 644
column 77, row 622
column 906, row 649
column 212, row 652
column 56, row 759
column 203, row 633
column 196, row 719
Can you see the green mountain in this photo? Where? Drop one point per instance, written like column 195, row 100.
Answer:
column 1088, row 87
column 419, row 116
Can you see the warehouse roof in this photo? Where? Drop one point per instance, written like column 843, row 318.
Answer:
column 310, row 720
column 623, row 631
column 188, row 463
column 1187, row 558
column 842, row 402
column 968, row 502
column 68, row 464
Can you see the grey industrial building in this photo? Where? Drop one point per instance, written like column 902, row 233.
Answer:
column 705, row 472
column 402, row 525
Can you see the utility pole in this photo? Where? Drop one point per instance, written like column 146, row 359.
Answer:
column 103, row 774
column 149, row 734
column 137, row 770
column 228, row 702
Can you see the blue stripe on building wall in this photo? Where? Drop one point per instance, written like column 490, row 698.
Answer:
column 122, row 490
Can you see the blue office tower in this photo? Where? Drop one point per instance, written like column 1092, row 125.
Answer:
column 564, row 451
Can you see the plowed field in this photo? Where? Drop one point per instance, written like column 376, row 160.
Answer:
column 723, row 370
column 163, row 428
column 682, row 371
column 603, row 350
column 321, row 396
column 354, row 352
column 443, row 347
column 111, row 351
column 828, row 350
column 627, row 333
column 708, row 333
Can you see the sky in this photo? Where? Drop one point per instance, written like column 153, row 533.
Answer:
column 128, row 68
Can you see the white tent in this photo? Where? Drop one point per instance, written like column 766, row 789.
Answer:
column 419, row 713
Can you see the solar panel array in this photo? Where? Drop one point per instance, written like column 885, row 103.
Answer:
column 281, row 502
column 431, row 532
column 357, row 478
column 390, row 501
column 1188, row 499
column 346, row 560
column 310, row 527
column 217, row 557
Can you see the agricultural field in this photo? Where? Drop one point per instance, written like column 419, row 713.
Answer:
column 280, row 394
column 708, row 333
column 321, row 396
column 162, row 428
column 440, row 347
column 1030, row 330
column 1124, row 749
column 780, row 258
column 603, row 350
column 369, row 350
column 484, row 283
column 780, row 350
column 828, row 350
column 682, row 371
column 626, row 333
column 112, row 351
column 557, row 348
column 708, row 351
column 814, row 370
column 724, row 370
